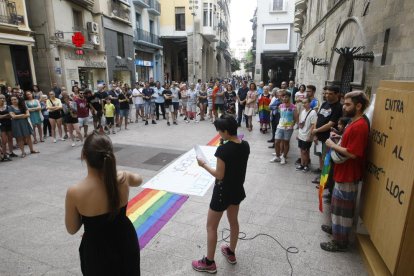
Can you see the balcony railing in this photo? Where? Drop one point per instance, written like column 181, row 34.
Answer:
column 142, row 3
column 119, row 10
column 8, row 13
column 155, row 7
column 222, row 45
column 141, row 35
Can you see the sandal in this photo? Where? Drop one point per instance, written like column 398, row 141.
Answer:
column 35, row 141
column 332, row 246
column 326, row 228
column 34, row 151
column 23, row 155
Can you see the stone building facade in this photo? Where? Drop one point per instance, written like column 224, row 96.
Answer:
column 16, row 45
column 354, row 44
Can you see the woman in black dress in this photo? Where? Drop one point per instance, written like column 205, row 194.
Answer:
column 109, row 244
column 230, row 172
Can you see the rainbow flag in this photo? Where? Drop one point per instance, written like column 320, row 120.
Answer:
column 215, row 142
column 324, row 177
column 150, row 210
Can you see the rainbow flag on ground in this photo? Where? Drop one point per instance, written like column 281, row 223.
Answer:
column 324, row 177
column 150, row 210
column 215, row 142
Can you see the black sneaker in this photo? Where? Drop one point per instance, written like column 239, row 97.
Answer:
column 168, row 123
column 154, row 122
column 299, row 167
column 12, row 154
column 175, row 123
column 332, row 246
column 271, row 141
column 146, row 122
column 305, row 169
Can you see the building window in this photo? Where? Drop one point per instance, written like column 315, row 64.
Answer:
column 151, row 26
column 205, row 14
column 138, row 20
column 276, row 36
column 180, row 18
column 277, row 5
column 77, row 20
column 120, row 41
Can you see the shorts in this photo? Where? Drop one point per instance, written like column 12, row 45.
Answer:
column 117, row 110
column 220, row 203
column 139, row 106
column 304, row 145
column 55, row 115
column 124, row 113
column 83, row 121
column 191, row 108
column 149, row 108
column 97, row 116
column 169, row 108
column 5, row 128
column 283, row 134
column 176, row 106
column 109, row 121
column 319, row 153
column 219, row 107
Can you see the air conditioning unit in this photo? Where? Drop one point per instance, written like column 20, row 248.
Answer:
column 95, row 39
column 92, row 27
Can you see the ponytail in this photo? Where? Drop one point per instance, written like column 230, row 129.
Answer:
column 111, row 183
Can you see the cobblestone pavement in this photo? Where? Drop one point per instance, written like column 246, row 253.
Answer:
column 280, row 202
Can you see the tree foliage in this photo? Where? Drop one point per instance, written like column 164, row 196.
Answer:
column 249, row 61
column 235, row 64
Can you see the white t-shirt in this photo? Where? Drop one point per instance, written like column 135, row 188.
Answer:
column 304, row 132
column 135, row 96
column 175, row 97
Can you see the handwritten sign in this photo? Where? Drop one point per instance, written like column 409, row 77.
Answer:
column 184, row 175
column 388, row 187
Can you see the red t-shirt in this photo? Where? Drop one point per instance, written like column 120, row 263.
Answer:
column 355, row 140
column 83, row 108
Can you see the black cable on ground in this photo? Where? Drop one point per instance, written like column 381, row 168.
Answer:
column 243, row 237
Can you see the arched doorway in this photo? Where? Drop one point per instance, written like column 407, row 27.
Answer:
column 344, row 71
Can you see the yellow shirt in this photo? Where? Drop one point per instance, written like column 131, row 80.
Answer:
column 109, row 110
column 56, row 102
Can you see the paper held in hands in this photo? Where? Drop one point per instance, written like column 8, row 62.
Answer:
column 200, row 154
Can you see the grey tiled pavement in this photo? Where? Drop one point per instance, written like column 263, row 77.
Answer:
column 280, row 202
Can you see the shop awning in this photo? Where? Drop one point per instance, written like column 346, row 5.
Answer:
column 16, row 39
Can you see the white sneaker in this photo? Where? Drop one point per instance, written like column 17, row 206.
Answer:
column 275, row 159
column 282, row 160
column 54, row 140
column 73, row 144
column 62, row 139
column 196, row 121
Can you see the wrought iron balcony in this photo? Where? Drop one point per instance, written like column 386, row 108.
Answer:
column 154, row 7
column 221, row 45
column 8, row 13
column 144, row 36
column 119, row 10
column 142, row 3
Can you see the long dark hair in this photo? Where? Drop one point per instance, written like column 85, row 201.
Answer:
column 21, row 104
column 98, row 153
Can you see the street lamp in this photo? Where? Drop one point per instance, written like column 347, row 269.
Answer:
column 193, row 8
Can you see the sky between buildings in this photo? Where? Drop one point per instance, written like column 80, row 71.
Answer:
column 241, row 11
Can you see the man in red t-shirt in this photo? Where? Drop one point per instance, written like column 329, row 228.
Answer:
column 349, row 173
column 83, row 110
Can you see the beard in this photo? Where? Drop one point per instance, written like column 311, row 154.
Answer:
column 350, row 113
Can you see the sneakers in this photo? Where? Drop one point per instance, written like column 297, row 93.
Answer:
column 305, row 169
column 332, row 246
column 65, row 137
column 154, row 122
column 230, row 256
column 73, row 144
column 175, row 123
column 299, row 168
column 282, row 160
column 275, row 159
column 168, row 123
column 187, row 121
column 146, row 123
column 54, row 141
column 201, row 266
